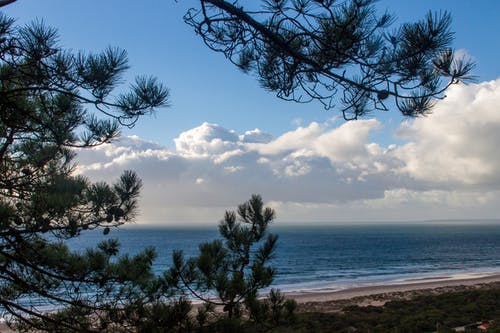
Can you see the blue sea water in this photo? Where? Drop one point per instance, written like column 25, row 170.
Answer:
column 318, row 258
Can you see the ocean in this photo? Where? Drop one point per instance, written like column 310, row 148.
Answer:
column 326, row 258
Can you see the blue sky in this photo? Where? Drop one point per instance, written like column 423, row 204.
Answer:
column 206, row 87
column 214, row 104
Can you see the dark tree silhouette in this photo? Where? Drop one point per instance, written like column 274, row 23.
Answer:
column 236, row 266
column 340, row 53
column 6, row 2
column 51, row 101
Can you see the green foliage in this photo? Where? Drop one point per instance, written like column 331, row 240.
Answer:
column 204, row 314
column 289, row 307
column 164, row 317
column 236, row 266
column 51, row 102
column 271, row 312
column 233, row 269
column 258, row 311
column 340, row 53
column 63, row 321
column 422, row 314
column 227, row 325
column 276, row 304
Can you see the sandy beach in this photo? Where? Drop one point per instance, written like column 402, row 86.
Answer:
column 378, row 295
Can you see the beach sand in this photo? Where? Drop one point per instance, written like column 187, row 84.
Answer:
column 378, row 295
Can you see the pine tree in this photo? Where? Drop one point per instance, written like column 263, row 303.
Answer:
column 52, row 101
column 236, row 266
column 340, row 53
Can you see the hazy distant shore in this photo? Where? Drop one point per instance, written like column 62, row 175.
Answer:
column 377, row 295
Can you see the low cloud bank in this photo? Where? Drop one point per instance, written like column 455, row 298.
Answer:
column 447, row 167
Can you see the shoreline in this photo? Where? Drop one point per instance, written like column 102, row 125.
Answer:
column 378, row 295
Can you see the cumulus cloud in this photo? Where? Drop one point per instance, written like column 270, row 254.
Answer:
column 205, row 140
column 255, row 136
column 446, row 167
column 458, row 144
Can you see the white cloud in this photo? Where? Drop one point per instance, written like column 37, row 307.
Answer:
column 291, row 141
column 205, row 140
column 458, row 143
column 447, row 167
column 255, row 136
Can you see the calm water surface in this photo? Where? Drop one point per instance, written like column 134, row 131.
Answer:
column 335, row 257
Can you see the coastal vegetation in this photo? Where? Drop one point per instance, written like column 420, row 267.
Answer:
column 439, row 313
column 433, row 313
